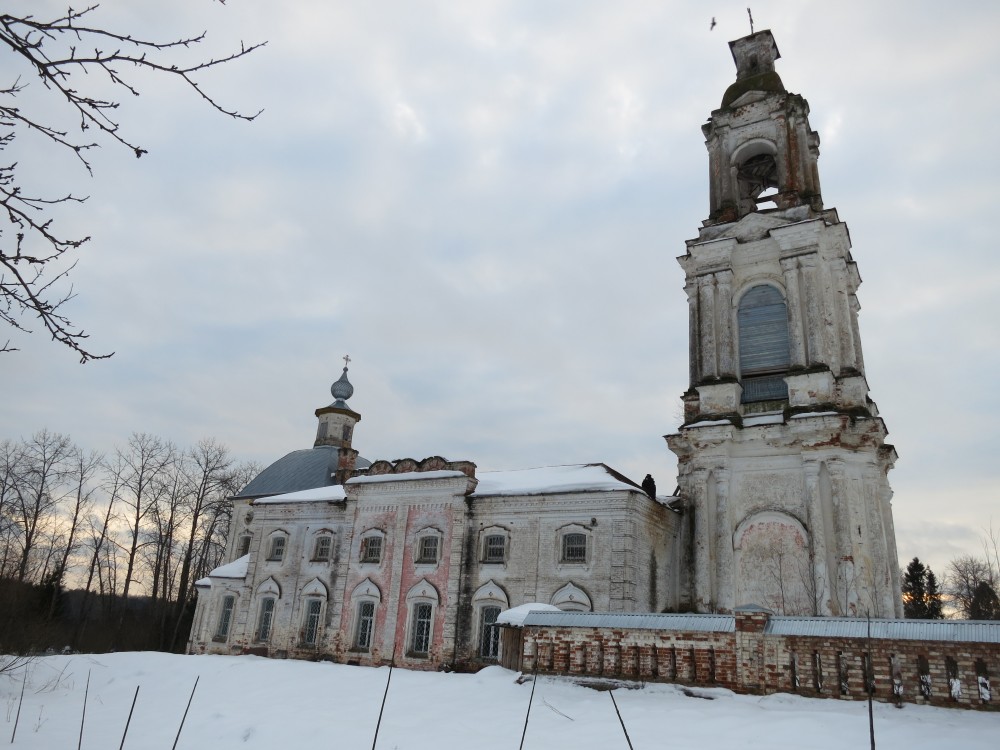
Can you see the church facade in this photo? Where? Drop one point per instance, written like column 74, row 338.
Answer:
column 783, row 500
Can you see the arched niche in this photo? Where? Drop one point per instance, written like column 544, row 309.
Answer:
column 571, row 598
column 772, row 564
column 269, row 587
column 315, row 587
column 491, row 591
column 367, row 589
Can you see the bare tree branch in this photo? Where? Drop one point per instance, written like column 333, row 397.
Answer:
column 62, row 52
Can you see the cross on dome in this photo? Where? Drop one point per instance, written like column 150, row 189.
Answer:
column 342, row 389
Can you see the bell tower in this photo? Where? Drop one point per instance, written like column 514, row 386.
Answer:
column 782, row 456
column 336, row 426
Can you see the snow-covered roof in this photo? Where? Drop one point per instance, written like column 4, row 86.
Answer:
column 333, row 493
column 515, row 616
column 763, row 419
column 710, row 423
column 406, row 476
column 236, row 569
column 552, row 479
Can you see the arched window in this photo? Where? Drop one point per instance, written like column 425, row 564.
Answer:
column 422, row 601
column 489, row 601
column 365, row 600
column 764, row 354
column 265, row 618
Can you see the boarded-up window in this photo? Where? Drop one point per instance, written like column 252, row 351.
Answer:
column 763, row 338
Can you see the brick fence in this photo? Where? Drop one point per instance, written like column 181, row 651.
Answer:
column 941, row 663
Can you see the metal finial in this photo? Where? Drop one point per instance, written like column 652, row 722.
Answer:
column 750, row 15
column 347, row 360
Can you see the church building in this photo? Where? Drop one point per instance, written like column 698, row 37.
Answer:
column 783, row 500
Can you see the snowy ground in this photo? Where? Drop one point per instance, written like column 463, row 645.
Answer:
column 248, row 702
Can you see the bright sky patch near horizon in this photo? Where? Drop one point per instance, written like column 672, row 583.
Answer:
column 482, row 204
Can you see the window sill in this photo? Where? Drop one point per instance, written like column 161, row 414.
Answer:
column 414, row 655
column 220, row 638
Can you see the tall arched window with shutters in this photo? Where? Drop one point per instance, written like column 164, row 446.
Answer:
column 763, row 335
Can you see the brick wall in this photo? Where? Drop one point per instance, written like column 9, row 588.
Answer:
column 750, row 660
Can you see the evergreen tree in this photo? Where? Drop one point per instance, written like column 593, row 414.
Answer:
column 921, row 597
column 914, row 587
column 934, row 604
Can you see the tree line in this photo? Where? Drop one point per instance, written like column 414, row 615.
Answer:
column 969, row 591
column 101, row 552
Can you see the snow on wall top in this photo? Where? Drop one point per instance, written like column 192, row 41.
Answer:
column 550, row 479
column 236, row 569
column 406, row 476
column 331, row 494
column 515, row 616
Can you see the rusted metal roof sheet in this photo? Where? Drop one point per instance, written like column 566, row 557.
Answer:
column 964, row 631
column 633, row 621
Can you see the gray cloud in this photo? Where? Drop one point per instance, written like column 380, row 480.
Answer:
column 482, row 204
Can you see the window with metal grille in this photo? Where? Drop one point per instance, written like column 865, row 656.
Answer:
column 489, row 633
column 574, row 548
column 243, row 548
column 763, row 338
column 365, row 625
column 428, row 550
column 225, row 617
column 420, row 636
column 277, row 551
column 322, row 549
column 265, row 618
column 371, row 549
column 494, row 548
column 310, row 629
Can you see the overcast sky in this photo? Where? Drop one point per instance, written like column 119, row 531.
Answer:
column 482, row 204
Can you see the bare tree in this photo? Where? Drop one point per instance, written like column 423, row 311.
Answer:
column 141, row 469
column 964, row 577
column 39, row 485
column 83, row 467
column 208, row 467
column 9, row 459
column 78, row 61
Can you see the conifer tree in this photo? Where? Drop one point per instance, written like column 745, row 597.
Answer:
column 934, row 604
column 921, row 597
